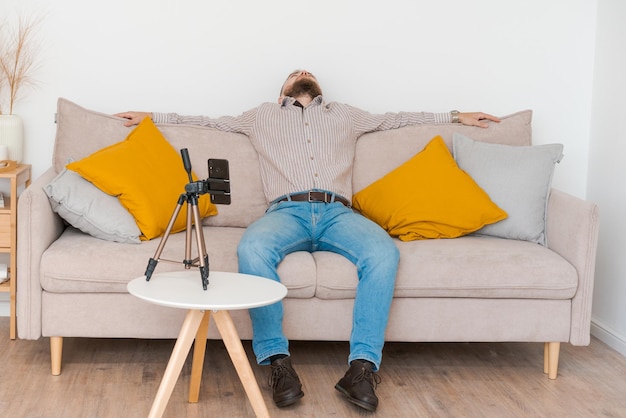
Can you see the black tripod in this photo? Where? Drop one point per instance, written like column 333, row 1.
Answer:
column 193, row 190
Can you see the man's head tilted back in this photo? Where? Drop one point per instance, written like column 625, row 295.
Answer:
column 300, row 83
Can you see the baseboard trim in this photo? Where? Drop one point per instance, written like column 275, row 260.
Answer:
column 609, row 336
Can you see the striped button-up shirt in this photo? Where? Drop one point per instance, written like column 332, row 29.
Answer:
column 309, row 148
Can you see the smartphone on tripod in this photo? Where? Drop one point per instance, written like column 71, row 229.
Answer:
column 219, row 181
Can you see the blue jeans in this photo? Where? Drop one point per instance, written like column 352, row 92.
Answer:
column 302, row 226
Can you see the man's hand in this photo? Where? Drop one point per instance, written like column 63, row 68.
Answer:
column 133, row 117
column 475, row 118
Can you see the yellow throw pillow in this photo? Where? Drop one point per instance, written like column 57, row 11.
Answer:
column 428, row 196
column 147, row 175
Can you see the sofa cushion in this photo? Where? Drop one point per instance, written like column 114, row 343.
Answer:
column 518, row 179
column 428, row 197
column 81, row 132
column 89, row 209
column 377, row 153
column 470, row 266
column 80, row 263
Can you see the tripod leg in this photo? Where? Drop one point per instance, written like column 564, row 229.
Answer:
column 188, row 261
column 152, row 263
column 202, row 254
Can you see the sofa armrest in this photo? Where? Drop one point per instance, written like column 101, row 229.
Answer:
column 37, row 227
column 572, row 231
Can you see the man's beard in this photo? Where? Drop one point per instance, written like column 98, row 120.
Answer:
column 304, row 87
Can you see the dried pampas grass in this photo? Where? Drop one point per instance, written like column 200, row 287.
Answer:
column 18, row 52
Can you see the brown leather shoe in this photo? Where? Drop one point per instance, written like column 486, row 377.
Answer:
column 285, row 383
column 359, row 384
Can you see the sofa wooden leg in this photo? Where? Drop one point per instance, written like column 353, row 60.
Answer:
column 56, row 353
column 551, row 359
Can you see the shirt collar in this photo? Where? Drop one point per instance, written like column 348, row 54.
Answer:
column 290, row 101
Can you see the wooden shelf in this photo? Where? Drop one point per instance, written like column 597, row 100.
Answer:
column 7, row 205
column 18, row 177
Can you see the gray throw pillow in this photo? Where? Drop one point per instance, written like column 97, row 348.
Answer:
column 89, row 209
column 517, row 178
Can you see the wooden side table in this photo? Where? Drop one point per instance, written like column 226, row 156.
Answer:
column 226, row 291
column 18, row 176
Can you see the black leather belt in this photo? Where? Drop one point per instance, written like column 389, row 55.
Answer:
column 313, row 196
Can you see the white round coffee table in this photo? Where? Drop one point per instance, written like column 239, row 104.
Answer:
column 226, row 291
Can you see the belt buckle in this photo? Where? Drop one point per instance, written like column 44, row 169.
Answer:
column 311, row 198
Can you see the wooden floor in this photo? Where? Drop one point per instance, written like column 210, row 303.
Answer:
column 119, row 378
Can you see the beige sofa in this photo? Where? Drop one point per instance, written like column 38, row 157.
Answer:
column 470, row 289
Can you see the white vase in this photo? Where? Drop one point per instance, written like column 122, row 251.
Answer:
column 12, row 135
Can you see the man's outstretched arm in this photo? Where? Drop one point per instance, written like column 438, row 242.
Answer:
column 133, row 117
column 476, row 119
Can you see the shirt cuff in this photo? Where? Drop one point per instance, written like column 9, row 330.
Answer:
column 160, row 117
column 443, row 117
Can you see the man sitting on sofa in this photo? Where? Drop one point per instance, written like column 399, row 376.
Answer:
column 306, row 148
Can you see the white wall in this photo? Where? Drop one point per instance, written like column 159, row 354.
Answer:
column 607, row 172
column 224, row 57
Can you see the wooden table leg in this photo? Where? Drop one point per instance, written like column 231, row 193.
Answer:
column 231, row 339
column 176, row 362
column 199, row 349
